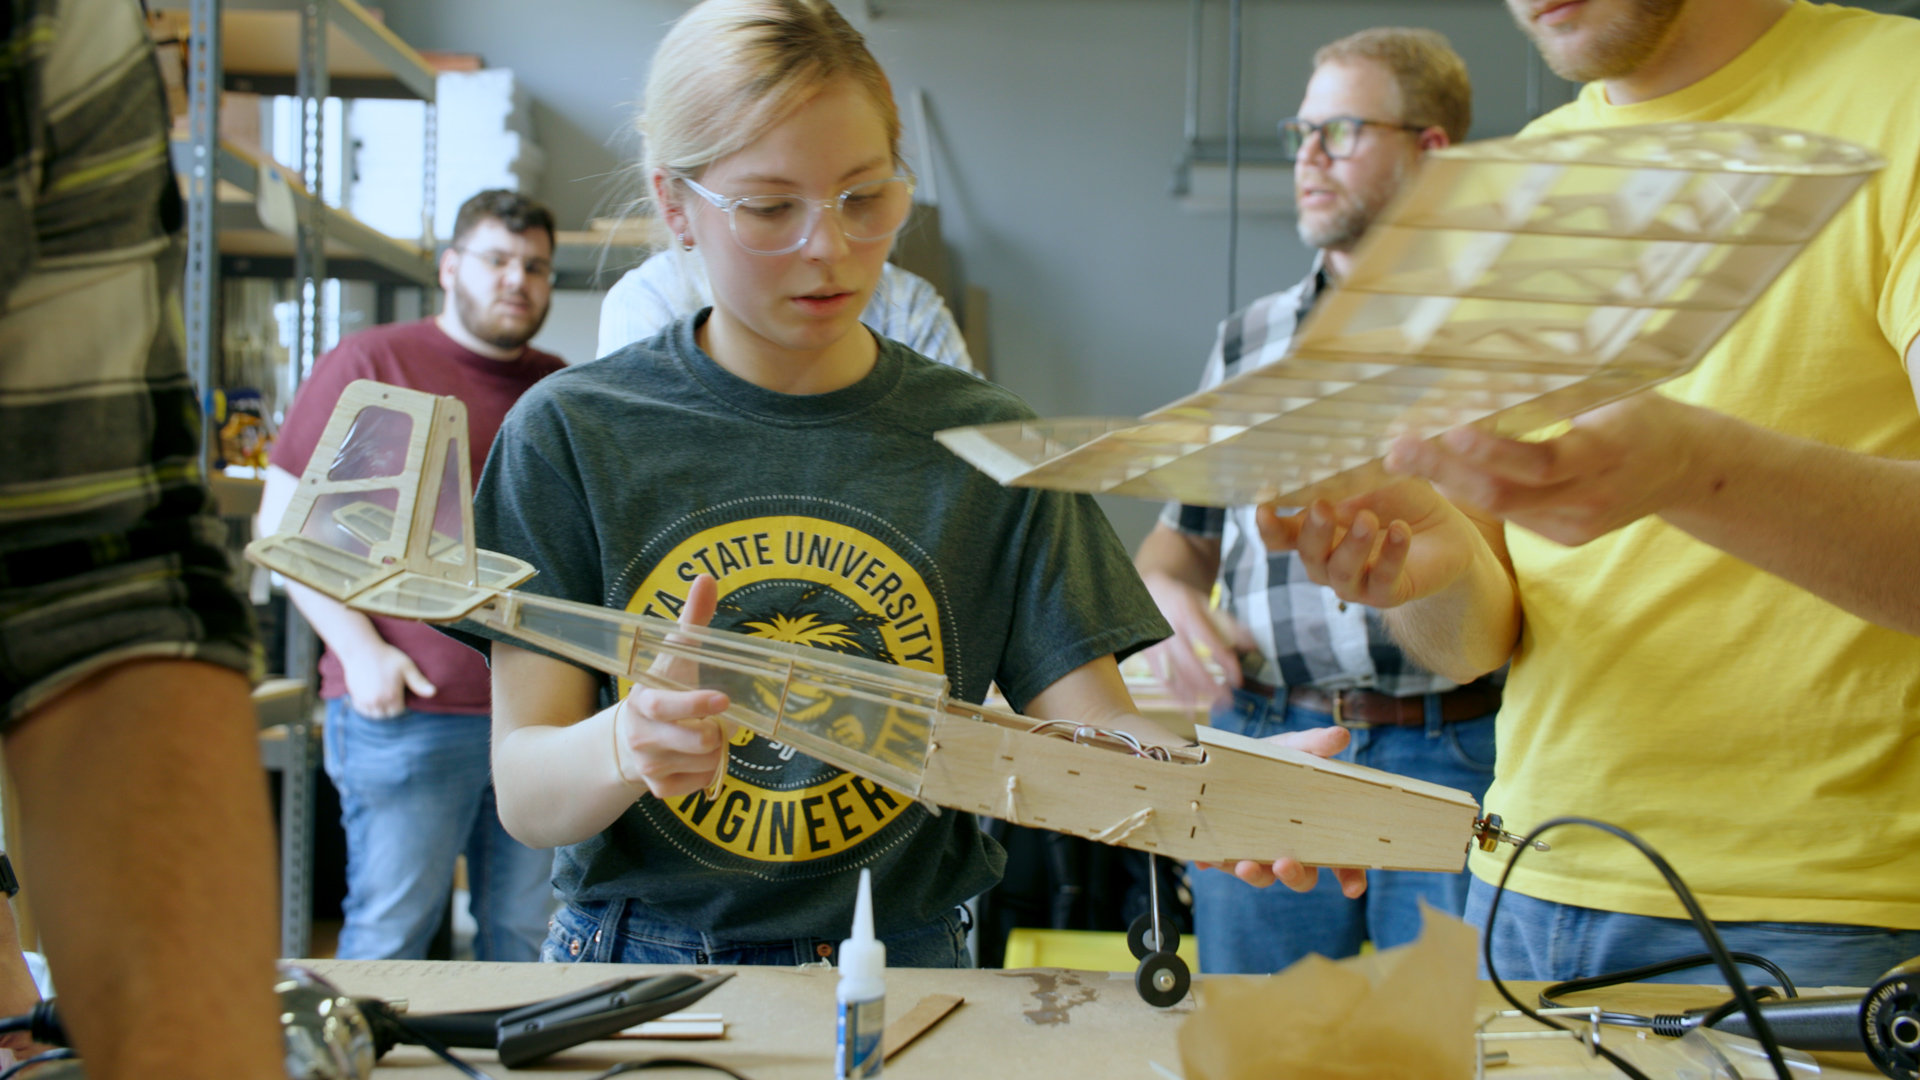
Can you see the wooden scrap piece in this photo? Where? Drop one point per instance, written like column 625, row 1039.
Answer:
column 680, row 1025
column 931, row 1010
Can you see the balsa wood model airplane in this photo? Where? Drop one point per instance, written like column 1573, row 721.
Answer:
column 382, row 521
column 1517, row 282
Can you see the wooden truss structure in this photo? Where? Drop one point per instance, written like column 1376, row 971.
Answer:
column 383, row 522
column 1516, row 283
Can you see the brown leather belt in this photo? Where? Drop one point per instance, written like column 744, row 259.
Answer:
column 1370, row 708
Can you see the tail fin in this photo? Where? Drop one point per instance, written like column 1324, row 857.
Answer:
column 383, row 518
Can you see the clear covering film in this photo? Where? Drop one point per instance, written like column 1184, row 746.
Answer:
column 416, row 596
column 867, row 717
column 447, row 544
column 375, row 447
column 336, row 573
column 1517, row 283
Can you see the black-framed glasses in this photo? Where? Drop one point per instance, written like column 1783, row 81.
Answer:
column 779, row 224
column 499, row 261
column 1339, row 135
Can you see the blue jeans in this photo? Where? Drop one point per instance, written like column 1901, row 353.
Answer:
column 622, row 932
column 1552, row 942
column 1244, row 930
column 416, row 791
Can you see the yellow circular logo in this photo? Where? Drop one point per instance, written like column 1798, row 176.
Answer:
column 812, row 582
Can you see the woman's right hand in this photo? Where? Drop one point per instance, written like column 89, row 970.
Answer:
column 671, row 740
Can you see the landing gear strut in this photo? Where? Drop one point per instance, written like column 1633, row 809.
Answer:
column 1162, row 978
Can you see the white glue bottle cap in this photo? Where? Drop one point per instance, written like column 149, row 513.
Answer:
column 863, row 958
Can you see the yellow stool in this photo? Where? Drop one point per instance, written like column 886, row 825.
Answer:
column 1083, row 950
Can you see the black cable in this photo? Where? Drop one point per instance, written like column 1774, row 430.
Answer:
column 660, row 1063
column 1762, row 1031
column 421, row 1038
column 62, row 1054
column 42, row 1024
column 1549, row 997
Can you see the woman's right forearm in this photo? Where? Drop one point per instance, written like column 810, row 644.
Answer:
column 559, row 785
column 1469, row 628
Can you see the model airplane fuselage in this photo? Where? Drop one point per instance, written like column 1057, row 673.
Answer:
column 382, row 521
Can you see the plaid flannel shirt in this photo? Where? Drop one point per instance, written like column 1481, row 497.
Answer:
column 109, row 550
column 1307, row 636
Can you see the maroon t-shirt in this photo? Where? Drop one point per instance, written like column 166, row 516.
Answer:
column 418, row 356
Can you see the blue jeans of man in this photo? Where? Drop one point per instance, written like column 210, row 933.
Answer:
column 625, row 932
column 1250, row 931
column 416, row 792
column 1553, row 942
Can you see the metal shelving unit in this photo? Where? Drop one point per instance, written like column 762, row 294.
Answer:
column 309, row 49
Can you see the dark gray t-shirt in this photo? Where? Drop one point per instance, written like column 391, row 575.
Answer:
column 833, row 520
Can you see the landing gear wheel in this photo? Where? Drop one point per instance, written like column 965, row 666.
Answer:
column 1162, row 979
column 1139, row 937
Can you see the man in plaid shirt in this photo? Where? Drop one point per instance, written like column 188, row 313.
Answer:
column 1292, row 655
column 125, row 652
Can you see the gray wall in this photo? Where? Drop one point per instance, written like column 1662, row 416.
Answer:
column 1056, row 124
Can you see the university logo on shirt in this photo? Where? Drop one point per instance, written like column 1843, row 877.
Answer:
column 823, row 583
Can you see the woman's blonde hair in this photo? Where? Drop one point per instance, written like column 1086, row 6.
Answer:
column 731, row 69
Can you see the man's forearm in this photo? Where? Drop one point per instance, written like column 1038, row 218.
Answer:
column 1467, row 629
column 347, row 632
column 149, row 844
column 1841, row 525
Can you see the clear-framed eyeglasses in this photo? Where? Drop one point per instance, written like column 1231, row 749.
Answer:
column 779, row 224
column 499, row 262
column 1339, row 135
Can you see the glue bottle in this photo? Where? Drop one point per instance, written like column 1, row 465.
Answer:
column 862, row 994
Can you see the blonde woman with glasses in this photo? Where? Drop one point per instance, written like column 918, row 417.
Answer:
column 768, row 465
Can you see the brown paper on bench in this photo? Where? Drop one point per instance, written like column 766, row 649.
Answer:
column 1405, row 1013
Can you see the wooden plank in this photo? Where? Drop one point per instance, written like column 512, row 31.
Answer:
column 1236, row 805
column 929, row 1011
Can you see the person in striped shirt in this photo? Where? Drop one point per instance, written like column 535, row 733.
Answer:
column 125, row 652
column 1293, row 656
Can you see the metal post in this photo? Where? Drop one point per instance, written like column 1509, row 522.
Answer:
column 296, row 795
column 430, row 178
column 929, row 178
column 310, row 272
column 1534, row 79
column 1195, row 23
column 201, row 293
column 310, row 255
column 1233, row 155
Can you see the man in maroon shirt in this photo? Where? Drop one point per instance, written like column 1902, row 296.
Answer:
column 407, row 708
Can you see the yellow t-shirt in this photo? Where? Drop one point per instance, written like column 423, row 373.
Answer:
column 1765, row 741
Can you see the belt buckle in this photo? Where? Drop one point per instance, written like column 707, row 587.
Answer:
column 1340, row 718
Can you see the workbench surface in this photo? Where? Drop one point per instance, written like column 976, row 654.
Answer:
column 1036, row 1024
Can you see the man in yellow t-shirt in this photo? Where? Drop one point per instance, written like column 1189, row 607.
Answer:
column 1708, row 591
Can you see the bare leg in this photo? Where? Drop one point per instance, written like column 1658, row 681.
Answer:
column 148, row 848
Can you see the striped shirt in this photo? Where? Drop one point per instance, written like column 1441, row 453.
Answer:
column 673, row 283
column 1307, row 636
column 108, row 547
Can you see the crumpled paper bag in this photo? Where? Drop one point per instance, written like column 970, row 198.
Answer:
column 1405, row 1013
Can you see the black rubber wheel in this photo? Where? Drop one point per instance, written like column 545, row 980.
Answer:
column 1162, row 979
column 1142, row 929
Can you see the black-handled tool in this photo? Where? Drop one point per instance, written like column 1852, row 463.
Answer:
column 526, row 1033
